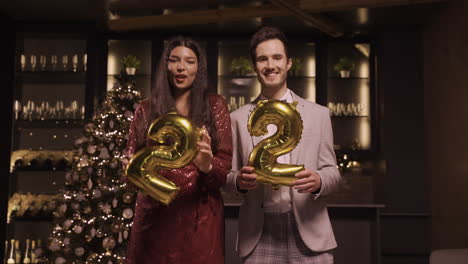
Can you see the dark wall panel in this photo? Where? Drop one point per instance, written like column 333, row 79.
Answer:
column 7, row 53
column 405, row 239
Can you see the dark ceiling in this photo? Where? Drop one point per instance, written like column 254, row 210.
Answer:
column 360, row 21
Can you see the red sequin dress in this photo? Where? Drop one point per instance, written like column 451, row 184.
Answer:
column 191, row 228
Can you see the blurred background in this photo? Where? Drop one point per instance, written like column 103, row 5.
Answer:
column 392, row 72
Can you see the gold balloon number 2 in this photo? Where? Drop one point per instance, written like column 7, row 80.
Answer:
column 288, row 134
column 176, row 138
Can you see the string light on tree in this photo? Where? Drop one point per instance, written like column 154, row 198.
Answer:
column 94, row 215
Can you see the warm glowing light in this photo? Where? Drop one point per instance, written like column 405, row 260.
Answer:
column 310, row 92
column 364, row 133
column 220, row 67
column 364, row 98
column 310, row 72
column 310, row 66
column 112, row 69
column 112, row 64
column 362, row 15
column 363, row 70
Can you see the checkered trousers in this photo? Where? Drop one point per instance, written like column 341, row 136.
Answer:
column 281, row 243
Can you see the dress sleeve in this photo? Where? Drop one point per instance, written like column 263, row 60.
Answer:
column 134, row 142
column 132, row 136
column 222, row 159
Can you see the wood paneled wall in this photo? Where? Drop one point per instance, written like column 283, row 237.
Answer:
column 445, row 59
column 7, row 54
column 405, row 223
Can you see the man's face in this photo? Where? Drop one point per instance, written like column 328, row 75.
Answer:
column 271, row 64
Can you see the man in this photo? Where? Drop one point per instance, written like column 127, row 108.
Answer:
column 289, row 224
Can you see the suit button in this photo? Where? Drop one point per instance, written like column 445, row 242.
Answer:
column 261, row 205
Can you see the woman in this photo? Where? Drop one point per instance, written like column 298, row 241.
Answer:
column 191, row 228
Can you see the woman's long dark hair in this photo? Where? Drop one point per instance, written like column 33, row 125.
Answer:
column 162, row 93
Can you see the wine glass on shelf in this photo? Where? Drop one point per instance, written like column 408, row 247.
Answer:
column 65, row 62
column 349, row 110
column 33, row 62
column 47, row 109
column 331, row 106
column 24, row 114
column 82, row 112
column 232, row 103
column 67, row 112
column 75, row 62
column 360, row 109
column 59, row 108
column 53, row 61
column 241, row 101
column 43, row 62
column 85, row 61
column 17, row 108
column 23, row 62
column 40, row 111
column 52, row 112
column 74, row 108
column 30, row 108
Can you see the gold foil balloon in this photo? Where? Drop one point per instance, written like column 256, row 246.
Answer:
column 177, row 139
column 288, row 134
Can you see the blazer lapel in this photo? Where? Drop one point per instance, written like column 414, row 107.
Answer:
column 253, row 104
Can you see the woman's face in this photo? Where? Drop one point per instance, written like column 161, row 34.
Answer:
column 182, row 67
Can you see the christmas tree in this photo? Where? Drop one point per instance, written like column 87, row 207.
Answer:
column 94, row 215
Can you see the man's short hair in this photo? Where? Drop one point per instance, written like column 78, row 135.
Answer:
column 267, row 33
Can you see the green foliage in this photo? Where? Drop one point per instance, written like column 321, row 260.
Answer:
column 130, row 61
column 296, row 66
column 241, row 66
column 344, row 64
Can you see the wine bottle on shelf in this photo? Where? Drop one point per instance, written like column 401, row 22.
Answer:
column 11, row 260
column 5, row 256
column 33, row 252
column 19, row 163
column 38, row 254
column 62, row 163
column 34, row 163
column 17, row 252
column 27, row 253
column 48, row 163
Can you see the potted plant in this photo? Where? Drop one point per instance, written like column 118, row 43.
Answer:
column 241, row 66
column 296, row 66
column 344, row 66
column 131, row 64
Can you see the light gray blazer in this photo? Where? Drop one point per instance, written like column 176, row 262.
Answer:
column 315, row 151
